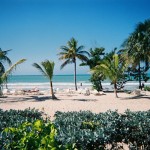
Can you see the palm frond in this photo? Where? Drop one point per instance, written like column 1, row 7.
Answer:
column 48, row 66
column 4, row 76
column 80, row 48
column 84, row 53
column 2, row 69
column 3, row 56
column 82, row 57
column 38, row 67
column 68, row 61
column 116, row 61
column 72, row 43
column 68, row 55
column 64, row 48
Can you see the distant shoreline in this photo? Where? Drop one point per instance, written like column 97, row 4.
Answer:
column 61, row 82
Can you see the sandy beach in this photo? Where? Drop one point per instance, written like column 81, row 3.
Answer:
column 76, row 102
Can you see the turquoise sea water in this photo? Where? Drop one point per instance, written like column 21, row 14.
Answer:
column 41, row 82
column 42, row 79
column 59, row 81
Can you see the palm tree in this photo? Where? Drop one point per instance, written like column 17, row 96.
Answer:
column 4, row 75
column 70, row 53
column 113, row 69
column 3, row 59
column 95, row 57
column 3, row 56
column 137, row 49
column 47, row 69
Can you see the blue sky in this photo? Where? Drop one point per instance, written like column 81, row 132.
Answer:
column 35, row 29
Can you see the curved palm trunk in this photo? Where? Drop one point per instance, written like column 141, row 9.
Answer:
column 115, row 90
column 51, row 90
column 75, row 80
column 139, row 72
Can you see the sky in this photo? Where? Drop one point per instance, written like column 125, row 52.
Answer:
column 36, row 29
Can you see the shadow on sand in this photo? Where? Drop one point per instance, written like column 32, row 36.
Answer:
column 29, row 98
column 85, row 100
column 136, row 97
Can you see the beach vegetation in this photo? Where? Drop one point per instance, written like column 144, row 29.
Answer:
column 147, row 88
column 31, row 136
column 47, row 69
column 137, row 50
column 95, row 57
column 75, row 130
column 14, row 118
column 113, row 69
column 109, row 130
column 4, row 58
column 71, row 53
column 4, row 75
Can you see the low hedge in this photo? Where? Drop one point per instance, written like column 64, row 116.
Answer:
column 14, row 118
column 98, row 131
column 82, row 130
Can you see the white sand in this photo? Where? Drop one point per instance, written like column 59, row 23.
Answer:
column 76, row 102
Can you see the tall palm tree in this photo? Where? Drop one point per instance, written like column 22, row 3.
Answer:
column 137, row 48
column 113, row 69
column 70, row 53
column 47, row 69
column 4, row 75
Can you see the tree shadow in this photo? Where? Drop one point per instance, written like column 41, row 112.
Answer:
column 28, row 98
column 85, row 100
column 44, row 98
column 136, row 97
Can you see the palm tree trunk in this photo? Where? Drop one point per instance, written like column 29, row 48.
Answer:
column 139, row 72
column 51, row 90
column 100, row 84
column 1, row 93
column 115, row 89
column 75, row 80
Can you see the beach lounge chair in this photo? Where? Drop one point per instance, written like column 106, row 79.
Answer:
column 138, row 92
column 6, row 92
column 87, row 92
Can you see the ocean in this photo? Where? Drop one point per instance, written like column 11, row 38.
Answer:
column 59, row 81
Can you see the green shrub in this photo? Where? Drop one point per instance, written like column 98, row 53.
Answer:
column 95, row 131
column 146, row 88
column 14, row 118
column 82, row 130
column 30, row 136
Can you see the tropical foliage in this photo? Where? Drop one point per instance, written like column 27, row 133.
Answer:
column 146, row 88
column 75, row 130
column 71, row 53
column 4, row 75
column 4, row 58
column 137, row 48
column 47, row 69
column 95, row 58
column 105, row 131
column 113, row 69
column 14, row 118
column 31, row 136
